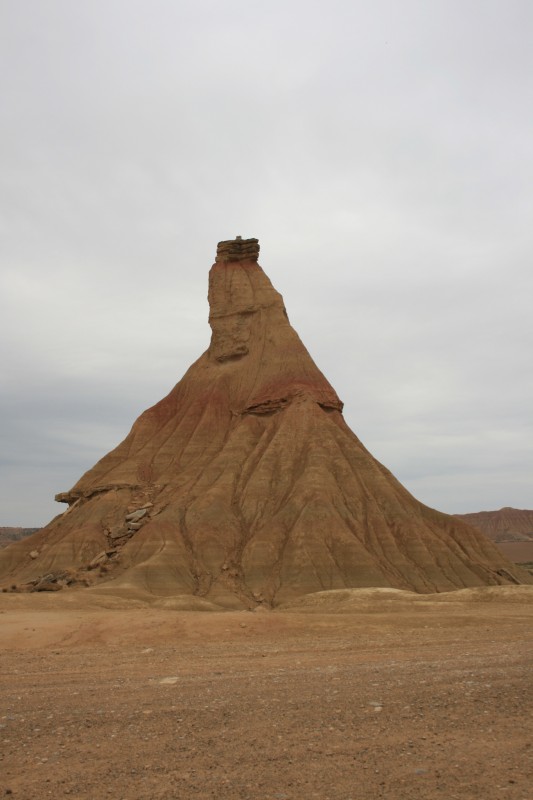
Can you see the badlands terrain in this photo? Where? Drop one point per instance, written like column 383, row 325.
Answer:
column 169, row 636
column 510, row 528
column 244, row 486
column 359, row 694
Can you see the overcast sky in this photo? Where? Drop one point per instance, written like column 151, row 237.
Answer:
column 381, row 152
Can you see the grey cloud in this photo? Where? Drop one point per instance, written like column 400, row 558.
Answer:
column 381, row 152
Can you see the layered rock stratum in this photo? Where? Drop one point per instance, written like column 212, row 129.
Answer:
column 244, row 485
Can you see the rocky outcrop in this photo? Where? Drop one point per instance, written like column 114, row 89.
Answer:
column 238, row 249
column 245, row 486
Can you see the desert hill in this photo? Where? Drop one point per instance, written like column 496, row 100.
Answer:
column 506, row 525
column 10, row 534
column 510, row 528
column 244, row 485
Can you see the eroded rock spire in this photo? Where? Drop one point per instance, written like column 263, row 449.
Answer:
column 244, row 485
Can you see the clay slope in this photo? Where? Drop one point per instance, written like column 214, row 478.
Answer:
column 505, row 525
column 245, row 486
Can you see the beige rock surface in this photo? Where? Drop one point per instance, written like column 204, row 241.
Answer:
column 255, row 489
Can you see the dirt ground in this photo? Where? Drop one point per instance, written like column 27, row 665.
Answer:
column 360, row 695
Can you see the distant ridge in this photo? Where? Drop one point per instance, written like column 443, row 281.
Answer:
column 505, row 525
column 9, row 535
column 511, row 529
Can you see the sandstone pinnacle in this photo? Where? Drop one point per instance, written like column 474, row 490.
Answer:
column 244, row 485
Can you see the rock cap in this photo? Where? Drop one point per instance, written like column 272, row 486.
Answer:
column 238, row 249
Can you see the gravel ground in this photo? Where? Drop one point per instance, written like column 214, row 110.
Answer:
column 145, row 704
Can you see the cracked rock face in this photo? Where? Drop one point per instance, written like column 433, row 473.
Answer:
column 245, row 486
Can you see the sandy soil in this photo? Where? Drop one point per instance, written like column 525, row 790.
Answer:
column 369, row 694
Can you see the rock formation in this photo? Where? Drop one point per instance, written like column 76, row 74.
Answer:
column 245, row 485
